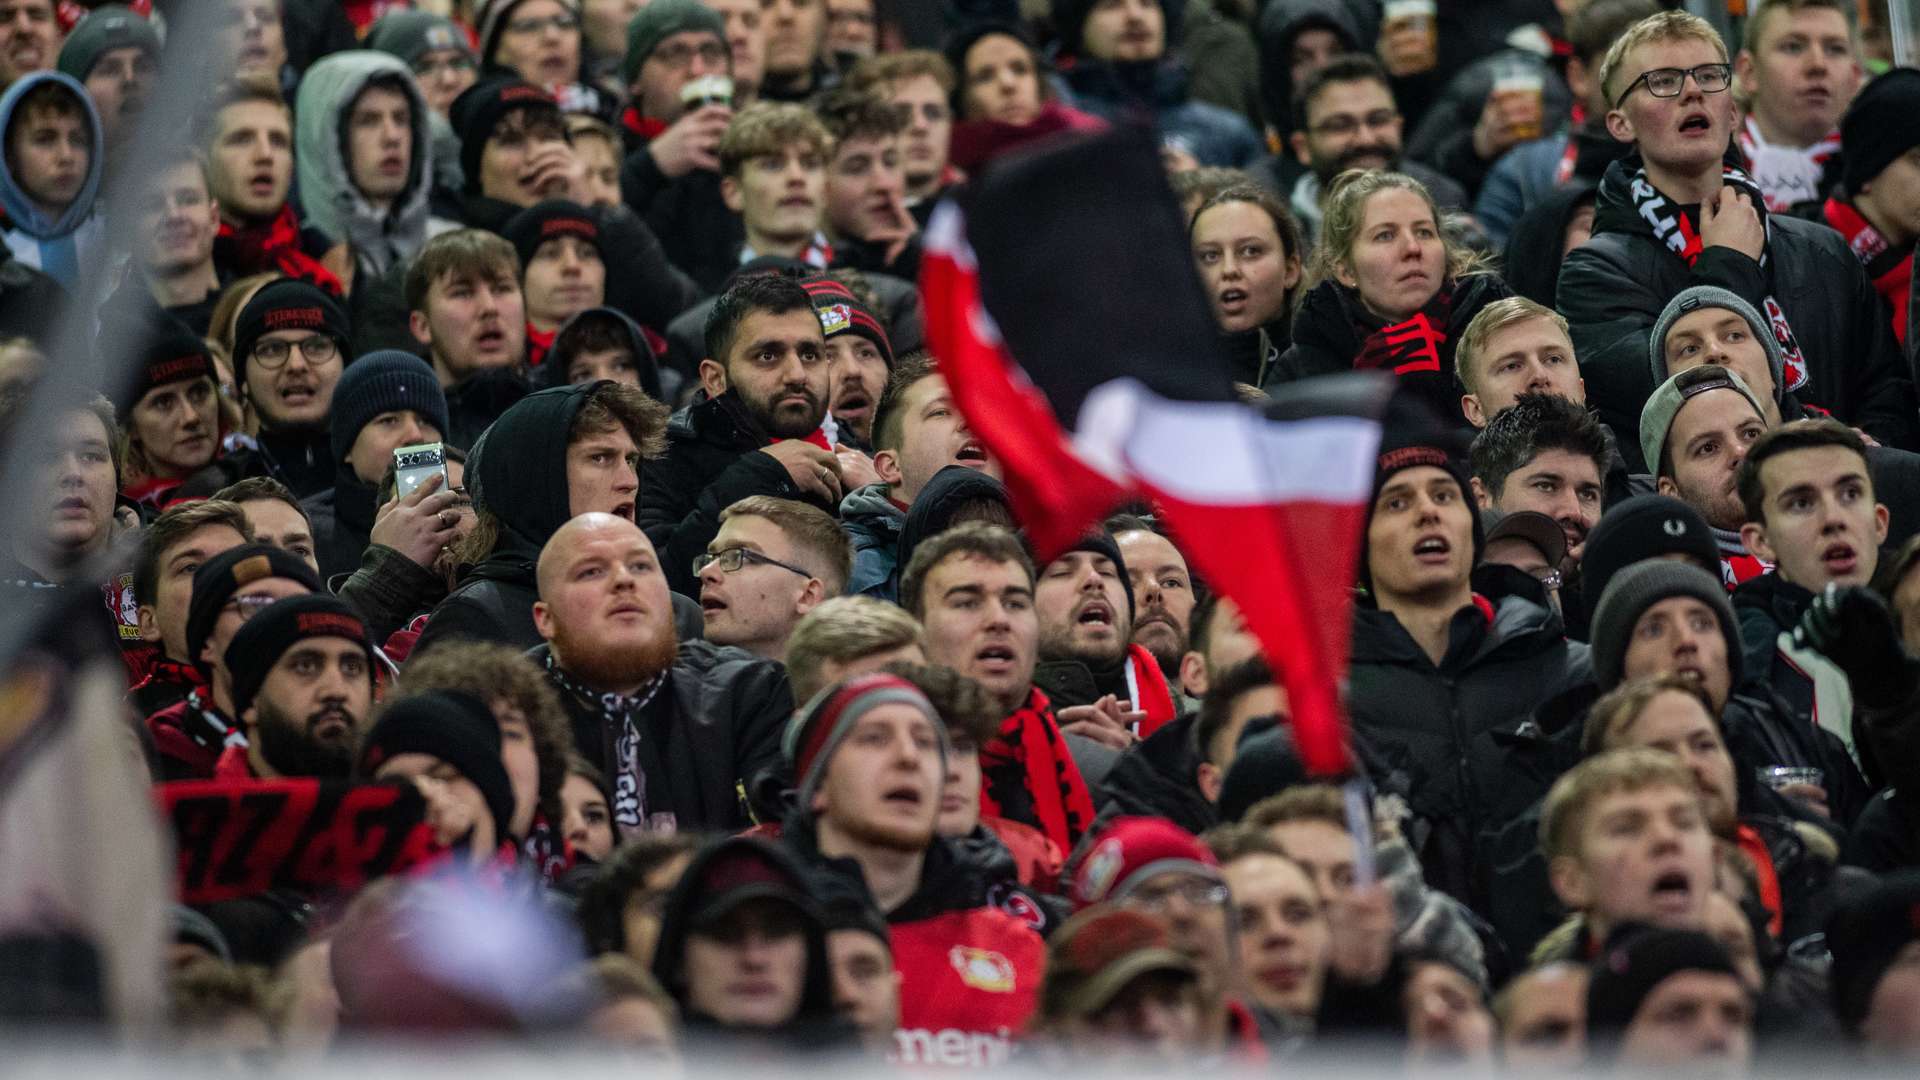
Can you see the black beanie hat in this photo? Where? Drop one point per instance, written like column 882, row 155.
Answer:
column 267, row 636
column 479, row 109
column 1882, row 123
column 1638, row 588
column 1635, row 960
column 411, row 34
column 223, row 575
column 961, row 42
column 1865, row 934
column 543, row 221
column 172, row 353
column 1070, row 23
column 1101, row 542
column 454, row 727
column 1643, row 527
column 289, row 304
column 384, row 381
column 1412, row 434
column 107, row 27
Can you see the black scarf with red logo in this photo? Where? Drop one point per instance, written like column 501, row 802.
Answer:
column 1335, row 331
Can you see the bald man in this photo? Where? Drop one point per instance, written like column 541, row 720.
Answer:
column 679, row 726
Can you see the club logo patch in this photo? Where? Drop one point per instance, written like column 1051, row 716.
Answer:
column 983, row 969
column 835, row 318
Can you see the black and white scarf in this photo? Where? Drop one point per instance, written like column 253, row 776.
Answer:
column 1678, row 227
column 621, row 713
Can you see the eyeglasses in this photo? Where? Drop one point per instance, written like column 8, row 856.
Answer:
column 1667, row 82
column 318, row 349
column 533, row 24
column 249, row 606
column 458, row 64
column 1347, row 124
column 680, row 55
column 733, row 559
column 1197, row 892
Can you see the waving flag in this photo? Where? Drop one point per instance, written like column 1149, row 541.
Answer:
column 1074, row 335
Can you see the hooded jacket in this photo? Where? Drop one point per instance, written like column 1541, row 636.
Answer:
column 1281, row 23
column 872, row 522
column 1502, row 662
column 553, row 372
column 944, row 495
column 331, row 202
column 816, row 1026
column 54, row 244
column 714, row 727
column 518, row 474
column 1334, row 331
column 711, row 463
column 1535, row 237
column 967, row 946
column 1613, row 289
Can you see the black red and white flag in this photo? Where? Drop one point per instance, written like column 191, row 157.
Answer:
column 1075, row 337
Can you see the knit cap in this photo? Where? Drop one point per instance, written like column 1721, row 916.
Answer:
column 1639, row 587
column 543, row 221
column 172, row 354
column 1713, row 296
column 816, row 731
column 410, row 35
column 1643, row 527
column 266, row 637
column 659, row 21
column 1882, row 123
column 458, row 729
column 841, row 312
column 289, row 304
column 105, row 28
column 490, row 18
column 1634, row 962
column 225, row 574
column 480, row 108
column 384, row 381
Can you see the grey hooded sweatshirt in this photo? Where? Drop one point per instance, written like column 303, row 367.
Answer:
column 332, row 204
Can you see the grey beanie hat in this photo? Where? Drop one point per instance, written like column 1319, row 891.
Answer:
column 1656, row 416
column 1713, row 296
column 660, row 20
column 1637, row 588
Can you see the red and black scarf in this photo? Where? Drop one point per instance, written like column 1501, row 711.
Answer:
column 1147, row 689
column 1678, row 227
column 1027, row 774
column 275, row 245
column 1411, row 346
column 1890, row 266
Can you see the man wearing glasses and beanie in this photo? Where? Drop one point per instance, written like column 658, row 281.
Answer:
column 1677, row 214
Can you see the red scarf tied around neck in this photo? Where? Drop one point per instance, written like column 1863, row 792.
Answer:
column 254, row 249
column 1027, row 774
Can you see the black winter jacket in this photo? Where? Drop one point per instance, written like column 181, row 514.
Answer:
column 1421, row 720
column 696, row 230
column 1156, row 778
column 714, row 727
column 388, row 589
column 341, row 519
column 711, row 463
column 1613, row 288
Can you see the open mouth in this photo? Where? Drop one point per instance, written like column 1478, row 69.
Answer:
column 392, row 165
column 970, row 454
column 798, row 202
column 261, row 183
column 852, row 403
column 996, row 659
column 299, row 393
column 1840, row 558
column 1232, row 299
column 1695, row 123
column 623, row 510
column 1095, row 613
column 1672, row 890
column 491, row 339
column 1432, row 549
column 711, row 604
column 905, row 797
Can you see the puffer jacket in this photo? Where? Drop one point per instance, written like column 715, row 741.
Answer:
column 1613, row 289
column 872, row 522
column 328, row 198
column 712, row 461
column 1421, row 720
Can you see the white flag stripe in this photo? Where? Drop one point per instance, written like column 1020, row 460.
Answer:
column 1226, row 453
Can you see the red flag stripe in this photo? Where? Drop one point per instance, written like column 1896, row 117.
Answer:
column 1055, row 494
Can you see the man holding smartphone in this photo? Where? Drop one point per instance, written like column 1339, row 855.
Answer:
column 385, row 401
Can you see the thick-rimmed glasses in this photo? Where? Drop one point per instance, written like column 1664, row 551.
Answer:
column 318, row 349
column 1667, row 82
